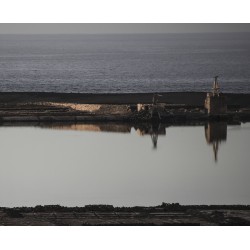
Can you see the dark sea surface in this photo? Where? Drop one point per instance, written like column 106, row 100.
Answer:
column 124, row 63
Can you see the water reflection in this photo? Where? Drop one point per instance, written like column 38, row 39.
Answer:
column 102, row 127
column 62, row 164
column 215, row 133
column 144, row 129
column 153, row 130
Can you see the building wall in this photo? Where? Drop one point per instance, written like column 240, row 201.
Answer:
column 216, row 104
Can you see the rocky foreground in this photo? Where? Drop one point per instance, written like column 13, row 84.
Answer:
column 107, row 215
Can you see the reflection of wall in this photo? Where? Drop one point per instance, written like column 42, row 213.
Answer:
column 120, row 128
column 215, row 133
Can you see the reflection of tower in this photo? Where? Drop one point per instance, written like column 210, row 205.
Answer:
column 216, row 132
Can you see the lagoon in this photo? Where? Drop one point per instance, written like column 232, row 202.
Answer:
column 124, row 165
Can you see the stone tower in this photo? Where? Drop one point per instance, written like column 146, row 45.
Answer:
column 215, row 102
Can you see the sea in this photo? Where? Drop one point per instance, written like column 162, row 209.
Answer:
column 124, row 63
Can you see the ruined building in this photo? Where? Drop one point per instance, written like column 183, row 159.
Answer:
column 215, row 102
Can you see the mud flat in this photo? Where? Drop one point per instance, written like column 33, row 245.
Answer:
column 107, row 215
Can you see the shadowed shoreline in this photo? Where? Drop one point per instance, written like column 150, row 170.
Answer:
column 187, row 98
column 69, row 107
column 165, row 214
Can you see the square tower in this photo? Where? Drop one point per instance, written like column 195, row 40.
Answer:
column 215, row 102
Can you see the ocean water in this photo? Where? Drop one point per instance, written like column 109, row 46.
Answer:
column 124, row 63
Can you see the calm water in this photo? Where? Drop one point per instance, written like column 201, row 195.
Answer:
column 85, row 164
column 124, row 63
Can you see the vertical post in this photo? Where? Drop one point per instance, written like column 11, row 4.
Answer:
column 216, row 87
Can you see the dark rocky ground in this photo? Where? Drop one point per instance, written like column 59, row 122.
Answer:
column 187, row 98
column 107, row 215
column 48, row 107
